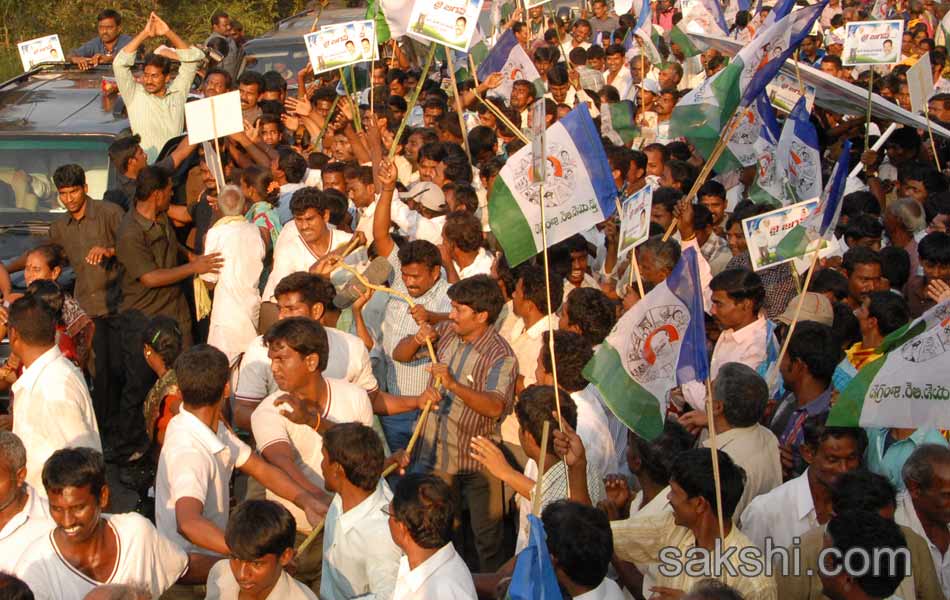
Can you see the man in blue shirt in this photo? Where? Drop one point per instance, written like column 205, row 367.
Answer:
column 102, row 49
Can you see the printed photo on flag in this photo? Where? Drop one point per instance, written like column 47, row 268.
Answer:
column 872, row 43
column 764, row 233
column 447, row 22
column 635, row 220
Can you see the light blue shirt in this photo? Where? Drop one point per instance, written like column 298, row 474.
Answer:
column 890, row 462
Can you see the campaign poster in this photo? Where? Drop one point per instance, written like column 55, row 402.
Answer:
column 872, row 43
column 365, row 33
column 635, row 219
column 333, row 47
column 447, row 22
column 532, row 3
column 764, row 232
column 784, row 93
column 40, row 50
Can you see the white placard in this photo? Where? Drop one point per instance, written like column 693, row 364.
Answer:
column 341, row 45
column 447, row 22
column 635, row 220
column 764, row 232
column 213, row 117
column 872, row 43
column 784, row 93
column 920, row 83
column 40, row 50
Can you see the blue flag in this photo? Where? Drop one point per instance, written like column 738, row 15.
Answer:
column 534, row 578
column 798, row 154
column 498, row 55
column 685, row 284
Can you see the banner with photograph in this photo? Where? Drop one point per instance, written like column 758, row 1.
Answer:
column 872, row 43
column 40, row 50
column 635, row 220
column 784, row 93
column 336, row 46
column 447, row 22
column 764, row 232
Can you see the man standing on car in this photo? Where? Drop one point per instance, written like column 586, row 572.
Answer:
column 87, row 232
column 221, row 28
column 101, row 50
column 156, row 110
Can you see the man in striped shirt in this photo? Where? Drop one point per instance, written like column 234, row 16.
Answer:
column 476, row 371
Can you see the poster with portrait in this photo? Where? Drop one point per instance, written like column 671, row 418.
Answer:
column 784, row 92
column 365, row 34
column 40, row 50
column 764, row 232
column 635, row 219
column 872, row 43
column 333, row 47
column 447, row 22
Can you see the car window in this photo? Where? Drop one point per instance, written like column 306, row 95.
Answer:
column 27, row 166
column 286, row 61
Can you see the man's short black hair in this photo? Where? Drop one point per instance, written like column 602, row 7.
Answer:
column 480, row 293
column 424, row 504
column 50, row 293
column 533, row 285
column 71, row 175
column 75, row 467
column 572, row 353
column 257, row 528
column 863, row 226
column 536, row 404
column 252, row 78
column 306, row 198
column 228, row 79
column 890, row 311
column 108, row 13
column 859, row 255
column 592, row 312
column 816, row 346
column 421, row 252
column 122, row 150
column 866, row 532
column 293, row 165
column 862, row 490
column 657, row 455
column 740, row 284
column 693, row 471
column 935, row 248
column 667, row 197
column 743, row 394
column 217, row 16
column 580, row 540
column 358, row 449
column 157, row 60
column 14, row 588
column 712, row 188
column 895, row 266
column 464, row 230
column 816, row 430
column 681, row 171
column 33, row 320
column 202, row 372
column 434, row 151
column 830, row 280
column 151, row 179
column 313, row 289
column 274, row 82
column 302, row 335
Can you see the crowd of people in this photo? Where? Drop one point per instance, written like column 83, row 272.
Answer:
column 292, row 432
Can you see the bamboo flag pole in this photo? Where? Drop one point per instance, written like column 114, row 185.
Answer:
column 717, row 151
column 798, row 310
column 505, row 120
column 326, row 124
column 930, row 132
column 458, row 101
column 349, row 96
column 715, row 458
column 412, row 101
column 536, row 495
column 310, row 538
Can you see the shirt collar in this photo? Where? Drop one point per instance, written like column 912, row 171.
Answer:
column 31, row 373
column 91, row 210
column 33, row 509
column 748, row 334
column 201, row 432
column 416, row 578
column 365, row 509
column 598, row 593
column 817, row 406
column 804, row 503
column 534, row 332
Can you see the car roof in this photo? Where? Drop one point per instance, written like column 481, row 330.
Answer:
column 300, row 24
column 59, row 99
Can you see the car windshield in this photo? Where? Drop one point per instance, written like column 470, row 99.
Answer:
column 287, row 60
column 27, row 166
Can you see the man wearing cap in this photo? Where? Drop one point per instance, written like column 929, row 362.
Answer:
column 428, row 201
column 815, row 307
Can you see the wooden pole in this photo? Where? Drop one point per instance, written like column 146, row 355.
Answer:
column 715, row 458
column 412, row 101
column 635, row 271
column 930, row 132
column 326, row 124
column 798, row 310
column 536, row 495
column 505, row 120
column 420, row 423
column 310, row 538
column 458, row 101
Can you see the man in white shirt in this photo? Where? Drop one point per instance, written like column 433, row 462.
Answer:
column 922, row 506
column 24, row 515
column 261, row 537
column 301, row 294
column 237, row 301
column 803, row 503
column 52, row 408
column 581, row 546
column 462, row 249
column 288, row 425
column 420, row 522
column 738, row 402
column 87, row 549
column 359, row 556
column 306, row 239
column 198, row 458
